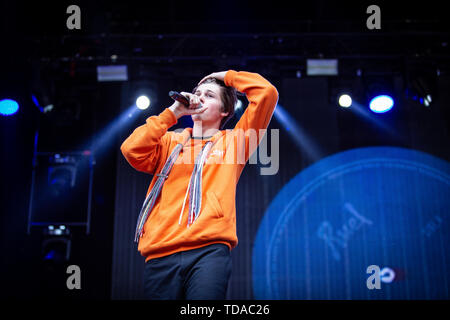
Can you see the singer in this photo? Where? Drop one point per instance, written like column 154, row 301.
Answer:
column 187, row 224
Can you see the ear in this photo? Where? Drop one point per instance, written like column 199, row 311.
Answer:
column 224, row 114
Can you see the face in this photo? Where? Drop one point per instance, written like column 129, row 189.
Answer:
column 209, row 95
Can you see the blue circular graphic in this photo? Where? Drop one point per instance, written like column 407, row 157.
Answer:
column 384, row 207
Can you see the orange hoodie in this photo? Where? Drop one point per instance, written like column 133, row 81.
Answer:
column 148, row 147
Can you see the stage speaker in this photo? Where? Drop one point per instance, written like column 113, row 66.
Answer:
column 61, row 190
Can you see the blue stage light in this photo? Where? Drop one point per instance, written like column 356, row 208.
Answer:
column 8, row 107
column 381, row 103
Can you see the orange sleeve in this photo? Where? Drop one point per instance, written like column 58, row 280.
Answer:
column 262, row 97
column 143, row 148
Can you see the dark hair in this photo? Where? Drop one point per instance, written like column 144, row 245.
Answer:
column 228, row 97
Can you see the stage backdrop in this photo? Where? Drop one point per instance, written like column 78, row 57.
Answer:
column 381, row 208
column 366, row 197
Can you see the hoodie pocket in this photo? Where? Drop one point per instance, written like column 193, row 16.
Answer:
column 215, row 204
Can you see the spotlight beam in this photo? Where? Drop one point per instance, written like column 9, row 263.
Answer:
column 298, row 135
column 362, row 111
column 107, row 135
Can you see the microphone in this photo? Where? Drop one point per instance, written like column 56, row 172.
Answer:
column 180, row 98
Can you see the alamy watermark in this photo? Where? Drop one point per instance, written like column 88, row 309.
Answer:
column 238, row 146
column 74, row 20
column 74, row 280
column 374, row 20
column 377, row 275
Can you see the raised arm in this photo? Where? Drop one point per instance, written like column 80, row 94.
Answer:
column 262, row 97
column 143, row 148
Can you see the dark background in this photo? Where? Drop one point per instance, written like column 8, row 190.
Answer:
column 171, row 45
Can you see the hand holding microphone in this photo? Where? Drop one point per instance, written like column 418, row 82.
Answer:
column 185, row 104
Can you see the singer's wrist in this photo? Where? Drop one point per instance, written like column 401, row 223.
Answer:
column 175, row 111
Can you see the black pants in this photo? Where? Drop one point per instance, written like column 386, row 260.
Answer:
column 198, row 274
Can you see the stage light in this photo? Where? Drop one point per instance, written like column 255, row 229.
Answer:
column 322, row 67
column 36, row 102
column 380, row 92
column 345, row 100
column 381, row 103
column 58, row 231
column 142, row 102
column 238, row 105
column 426, row 101
column 422, row 88
column 112, row 73
column 8, row 107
